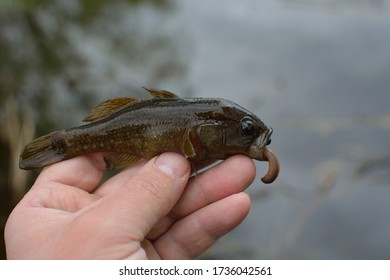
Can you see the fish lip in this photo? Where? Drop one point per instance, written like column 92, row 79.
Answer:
column 256, row 151
column 266, row 137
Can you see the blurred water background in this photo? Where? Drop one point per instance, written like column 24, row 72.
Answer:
column 317, row 71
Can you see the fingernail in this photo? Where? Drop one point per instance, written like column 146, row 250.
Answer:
column 172, row 164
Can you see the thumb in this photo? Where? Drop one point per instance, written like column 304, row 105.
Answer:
column 143, row 200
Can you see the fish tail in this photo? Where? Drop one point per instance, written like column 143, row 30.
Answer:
column 40, row 152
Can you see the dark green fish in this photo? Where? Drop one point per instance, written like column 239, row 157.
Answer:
column 127, row 130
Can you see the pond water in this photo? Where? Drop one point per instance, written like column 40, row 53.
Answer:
column 318, row 72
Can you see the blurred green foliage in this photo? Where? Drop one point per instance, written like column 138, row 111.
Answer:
column 46, row 79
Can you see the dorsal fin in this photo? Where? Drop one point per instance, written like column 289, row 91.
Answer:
column 157, row 93
column 108, row 107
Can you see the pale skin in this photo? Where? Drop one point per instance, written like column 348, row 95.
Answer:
column 153, row 210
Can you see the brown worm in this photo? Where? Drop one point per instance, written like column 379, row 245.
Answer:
column 273, row 167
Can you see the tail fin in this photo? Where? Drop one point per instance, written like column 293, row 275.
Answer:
column 40, row 153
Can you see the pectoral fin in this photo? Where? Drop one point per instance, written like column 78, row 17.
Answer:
column 108, row 107
column 157, row 93
column 119, row 161
column 193, row 147
column 205, row 138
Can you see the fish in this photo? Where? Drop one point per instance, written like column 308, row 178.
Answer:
column 127, row 129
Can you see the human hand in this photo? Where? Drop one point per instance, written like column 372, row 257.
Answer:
column 152, row 210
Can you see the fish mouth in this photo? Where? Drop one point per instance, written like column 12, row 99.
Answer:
column 256, row 151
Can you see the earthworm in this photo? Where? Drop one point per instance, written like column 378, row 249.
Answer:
column 273, row 166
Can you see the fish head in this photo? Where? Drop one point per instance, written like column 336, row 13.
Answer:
column 248, row 136
column 234, row 131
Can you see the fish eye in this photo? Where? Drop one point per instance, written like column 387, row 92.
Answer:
column 247, row 126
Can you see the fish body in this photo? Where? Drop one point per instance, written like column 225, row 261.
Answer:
column 126, row 130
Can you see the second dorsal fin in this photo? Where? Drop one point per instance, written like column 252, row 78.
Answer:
column 157, row 93
column 108, row 107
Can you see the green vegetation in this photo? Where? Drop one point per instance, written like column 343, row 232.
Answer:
column 58, row 58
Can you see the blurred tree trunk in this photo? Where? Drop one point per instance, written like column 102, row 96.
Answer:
column 18, row 130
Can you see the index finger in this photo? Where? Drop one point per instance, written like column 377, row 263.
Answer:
column 233, row 175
